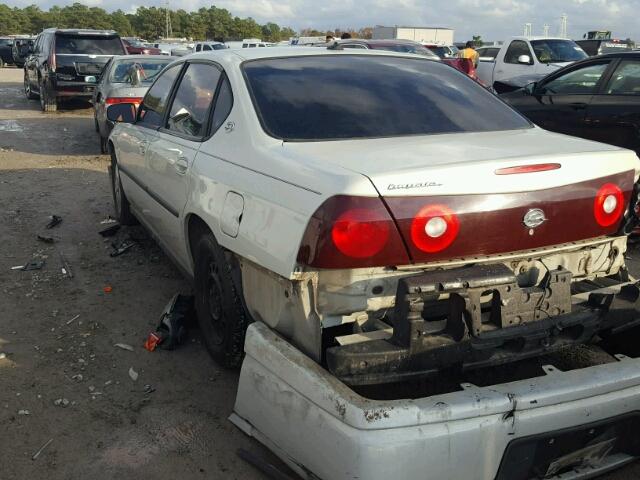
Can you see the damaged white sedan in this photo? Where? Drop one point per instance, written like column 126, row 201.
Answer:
column 387, row 230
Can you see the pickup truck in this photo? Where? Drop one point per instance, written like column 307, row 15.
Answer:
column 525, row 56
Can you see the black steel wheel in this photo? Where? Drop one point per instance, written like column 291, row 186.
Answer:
column 221, row 315
column 121, row 205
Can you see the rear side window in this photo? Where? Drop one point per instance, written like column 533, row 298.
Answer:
column 224, row 102
column 88, row 45
column 190, row 109
column 581, row 81
column 155, row 101
column 324, row 97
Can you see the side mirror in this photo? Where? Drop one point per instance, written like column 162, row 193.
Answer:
column 122, row 113
column 524, row 59
column 90, row 79
column 529, row 88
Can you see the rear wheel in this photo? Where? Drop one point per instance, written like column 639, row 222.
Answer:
column 121, row 205
column 27, row 88
column 103, row 145
column 48, row 101
column 221, row 315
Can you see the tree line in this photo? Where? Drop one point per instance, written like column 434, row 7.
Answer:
column 146, row 22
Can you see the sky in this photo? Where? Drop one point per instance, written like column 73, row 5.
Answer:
column 492, row 19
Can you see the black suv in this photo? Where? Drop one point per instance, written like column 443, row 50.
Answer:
column 66, row 63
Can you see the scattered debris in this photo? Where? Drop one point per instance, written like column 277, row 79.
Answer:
column 119, row 249
column 78, row 377
column 24, row 412
column 61, row 402
column 111, row 230
column 45, row 238
column 54, row 220
column 269, row 469
column 108, row 220
column 124, row 346
column 32, row 265
column 41, row 449
column 66, row 269
column 73, row 319
column 3, row 355
column 152, row 341
column 172, row 329
column 133, row 374
column 107, row 289
column 149, row 389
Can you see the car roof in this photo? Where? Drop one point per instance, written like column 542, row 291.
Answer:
column 144, row 57
column 371, row 41
column 626, row 53
column 280, row 52
column 521, row 37
column 80, row 31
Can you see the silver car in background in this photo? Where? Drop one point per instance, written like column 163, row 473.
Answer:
column 125, row 79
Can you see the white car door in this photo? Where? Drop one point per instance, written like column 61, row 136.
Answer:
column 133, row 140
column 511, row 66
column 173, row 149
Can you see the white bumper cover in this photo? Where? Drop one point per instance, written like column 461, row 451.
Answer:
column 323, row 429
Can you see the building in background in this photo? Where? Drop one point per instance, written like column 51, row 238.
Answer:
column 436, row 35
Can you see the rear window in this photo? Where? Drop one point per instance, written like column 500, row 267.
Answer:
column 88, row 45
column 123, row 71
column 326, row 97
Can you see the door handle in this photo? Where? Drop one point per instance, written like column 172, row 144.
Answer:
column 181, row 165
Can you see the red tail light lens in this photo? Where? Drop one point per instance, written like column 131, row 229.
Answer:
column 114, row 100
column 608, row 205
column 352, row 232
column 358, row 233
column 434, row 228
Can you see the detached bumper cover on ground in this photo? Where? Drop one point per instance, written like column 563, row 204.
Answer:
column 323, row 429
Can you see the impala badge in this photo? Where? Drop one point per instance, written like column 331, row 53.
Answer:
column 534, row 218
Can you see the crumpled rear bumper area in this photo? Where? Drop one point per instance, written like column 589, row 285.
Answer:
column 469, row 318
column 559, row 424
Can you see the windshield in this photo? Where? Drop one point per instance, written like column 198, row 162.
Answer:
column 550, row 51
column 122, row 71
column 88, row 45
column 325, row 97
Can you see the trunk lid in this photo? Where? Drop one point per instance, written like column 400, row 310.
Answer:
column 454, row 177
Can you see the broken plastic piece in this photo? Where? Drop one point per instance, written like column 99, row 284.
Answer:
column 119, row 249
column 107, row 289
column 54, row 220
column 153, row 340
column 111, row 230
column 33, row 265
column 45, row 238
column 173, row 321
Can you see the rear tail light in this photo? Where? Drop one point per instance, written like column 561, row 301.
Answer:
column 608, row 205
column 114, row 100
column 434, row 228
column 352, row 232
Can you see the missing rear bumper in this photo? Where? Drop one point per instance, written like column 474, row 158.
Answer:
column 477, row 317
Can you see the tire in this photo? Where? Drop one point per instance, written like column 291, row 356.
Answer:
column 48, row 102
column 221, row 315
column 103, row 145
column 121, row 205
column 27, row 89
column 97, row 127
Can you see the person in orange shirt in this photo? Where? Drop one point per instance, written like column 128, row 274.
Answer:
column 469, row 52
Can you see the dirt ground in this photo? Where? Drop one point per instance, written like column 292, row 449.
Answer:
column 63, row 379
